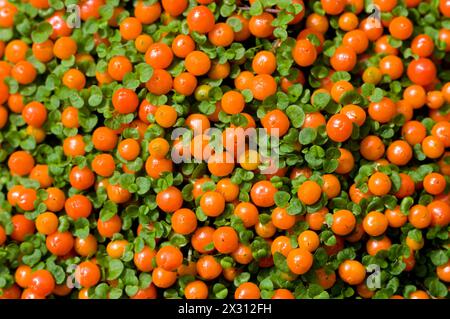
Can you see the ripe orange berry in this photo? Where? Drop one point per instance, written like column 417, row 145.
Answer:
column 299, row 261
column 375, row 223
column 352, row 272
column 343, row 222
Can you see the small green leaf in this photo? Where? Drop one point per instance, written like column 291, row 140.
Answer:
column 220, row 291
column 321, row 100
column 41, row 32
column 234, row 23
column 307, row 135
column 438, row 257
column 296, row 115
column 282, row 198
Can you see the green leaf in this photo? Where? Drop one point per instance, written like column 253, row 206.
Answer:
column 328, row 238
column 241, row 278
column 56, row 4
column 307, row 135
column 296, row 115
column 32, row 259
column 295, row 91
column 115, row 269
column 280, row 262
column 256, row 8
column 130, row 81
column 282, row 198
column 220, row 291
column 406, row 204
column 438, row 257
column 295, row 207
column 6, row 34
column 347, row 253
column 12, row 84
column 315, row 290
column 108, row 211
column 199, row 38
column 351, row 97
column 415, row 234
column 81, row 228
column 266, row 284
column 58, row 273
column 396, row 43
column 42, row 32
column 280, row 33
column 341, row 76
column 207, row 107
column 144, row 71
column 101, row 290
column 367, row 89
column 321, row 100
column 436, row 288
column 144, row 184
column 178, row 240
column 131, row 290
column 115, row 293
column 145, row 280
column 314, row 39
column 233, row 22
column 248, row 95
column 377, row 95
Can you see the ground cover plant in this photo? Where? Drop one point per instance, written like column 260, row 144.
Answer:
column 102, row 198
